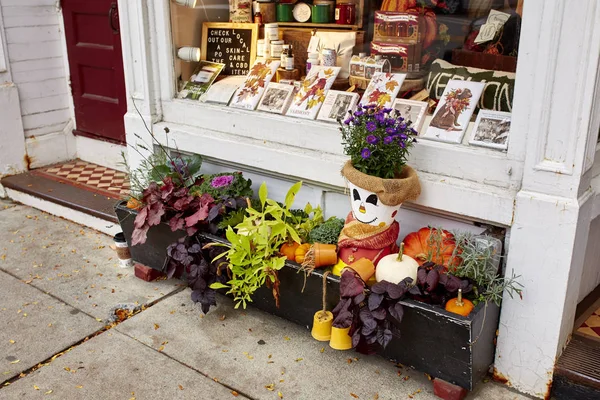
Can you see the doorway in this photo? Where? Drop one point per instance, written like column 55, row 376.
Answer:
column 96, row 66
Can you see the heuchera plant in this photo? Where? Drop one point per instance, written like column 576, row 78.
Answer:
column 366, row 311
column 176, row 205
column 378, row 140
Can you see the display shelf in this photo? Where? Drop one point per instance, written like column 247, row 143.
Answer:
column 354, row 27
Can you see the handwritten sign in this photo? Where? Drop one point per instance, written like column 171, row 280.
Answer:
column 232, row 44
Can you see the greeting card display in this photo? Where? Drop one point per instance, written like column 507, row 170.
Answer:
column 277, row 98
column 411, row 110
column 248, row 95
column 205, row 74
column 454, row 111
column 221, row 91
column 309, row 99
column 382, row 89
column 491, row 129
column 336, row 105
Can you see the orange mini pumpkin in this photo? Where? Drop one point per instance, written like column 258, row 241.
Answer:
column 301, row 251
column 289, row 250
column 460, row 306
column 398, row 5
column 430, row 244
column 134, row 204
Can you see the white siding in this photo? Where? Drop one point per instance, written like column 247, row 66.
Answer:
column 34, row 46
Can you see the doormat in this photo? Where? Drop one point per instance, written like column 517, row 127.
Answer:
column 591, row 326
column 95, row 178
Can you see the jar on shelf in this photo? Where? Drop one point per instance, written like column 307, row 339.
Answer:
column 312, row 60
column 276, row 48
column 328, row 57
column 345, row 13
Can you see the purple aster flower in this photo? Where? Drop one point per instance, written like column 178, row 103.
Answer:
column 365, row 153
column 390, row 130
column 380, row 117
column 388, row 139
column 349, row 120
column 403, row 126
column 221, row 181
column 372, row 139
column 403, row 136
column 402, row 144
column 387, row 110
column 358, row 113
column 371, row 126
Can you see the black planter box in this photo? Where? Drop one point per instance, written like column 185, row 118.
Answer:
column 448, row 346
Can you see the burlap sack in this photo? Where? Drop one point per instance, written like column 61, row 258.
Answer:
column 391, row 192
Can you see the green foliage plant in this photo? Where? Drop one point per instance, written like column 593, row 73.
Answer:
column 253, row 254
column 328, row 232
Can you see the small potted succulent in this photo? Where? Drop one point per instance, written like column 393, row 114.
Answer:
column 378, row 141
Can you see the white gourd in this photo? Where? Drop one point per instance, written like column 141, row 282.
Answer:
column 395, row 267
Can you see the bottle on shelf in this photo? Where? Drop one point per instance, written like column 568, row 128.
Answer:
column 258, row 18
column 289, row 60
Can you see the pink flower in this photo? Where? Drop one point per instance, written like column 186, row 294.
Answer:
column 221, row 181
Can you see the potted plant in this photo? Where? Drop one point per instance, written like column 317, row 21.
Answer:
column 378, row 141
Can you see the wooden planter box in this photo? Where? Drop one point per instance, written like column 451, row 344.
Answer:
column 456, row 349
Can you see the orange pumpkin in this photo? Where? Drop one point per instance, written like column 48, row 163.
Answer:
column 134, row 204
column 289, row 250
column 301, row 251
column 398, row 5
column 460, row 306
column 430, row 244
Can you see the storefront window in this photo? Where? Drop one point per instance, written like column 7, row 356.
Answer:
column 447, row 66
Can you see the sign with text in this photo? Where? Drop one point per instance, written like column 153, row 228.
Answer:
column 232, row 44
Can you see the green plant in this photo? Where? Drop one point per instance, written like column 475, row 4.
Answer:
column 328, row 232
column 378, row 140
column 253, row 253
column 478, row 263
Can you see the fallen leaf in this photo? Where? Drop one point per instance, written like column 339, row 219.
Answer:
column 280, row 395
column 67, row 369
column 286, row 338
column 180, row 387
column 428, row 376
column 12, row 341
column 270, row 387
column 172, row 312
column 14, row 362
column 222, row 318
column 161, row 348
column 349, row 361
column 156, row 326
column 35, row 387
column 299, row 359
column 376, row 396
column 78, row 387
column 354, row 395
column 236, row 394
column 49, row 391
column 322, row 350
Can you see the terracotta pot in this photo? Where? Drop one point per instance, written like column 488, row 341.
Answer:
column 364, row 268
column 322, row 323
column 325, row 254
column 340, row 340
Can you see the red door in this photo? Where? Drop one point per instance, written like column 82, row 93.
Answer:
column 96, row 64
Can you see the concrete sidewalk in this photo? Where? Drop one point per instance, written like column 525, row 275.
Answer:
column 58, row 282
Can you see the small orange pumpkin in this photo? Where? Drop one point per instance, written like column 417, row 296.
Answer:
column 398, row 5
column 134, row 204
column 430, row 244
column 301, row 251
column 460, row 306
column 289, row 250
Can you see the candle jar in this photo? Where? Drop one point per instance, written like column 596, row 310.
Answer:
column 345, row 13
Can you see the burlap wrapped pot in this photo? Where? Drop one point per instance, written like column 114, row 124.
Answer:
column 391, row 192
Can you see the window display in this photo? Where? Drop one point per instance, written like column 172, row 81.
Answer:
column 423, row 46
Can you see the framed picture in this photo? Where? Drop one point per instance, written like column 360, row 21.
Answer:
column 277, row 98
column 336, row 105
column 248, row 95
column 491, row 129
column 412, row 110
column 454, row 111
column 382, row 89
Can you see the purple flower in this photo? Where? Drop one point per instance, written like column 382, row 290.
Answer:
column 390, row 130
column 403, row 136
column 358, row 113
column 402, row 144
column 371, row 126
column 365, row 153
column 372, row 139
column 349, row 120
column 221, row 181
column 388, row 139
column 402, row 126
column 380, row 117
column 387, row 110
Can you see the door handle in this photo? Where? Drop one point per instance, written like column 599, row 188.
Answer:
column 111, row 17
